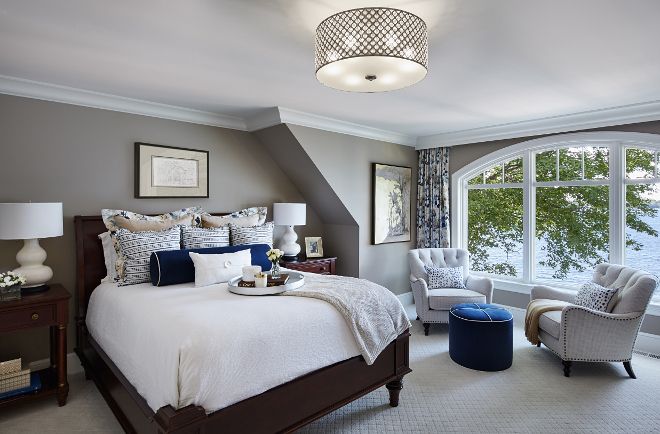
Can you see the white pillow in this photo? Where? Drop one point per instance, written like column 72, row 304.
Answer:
column 110, row 255
column 593, row 296
column 210, row 269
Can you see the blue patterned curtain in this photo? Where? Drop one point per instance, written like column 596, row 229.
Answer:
column 433, row 198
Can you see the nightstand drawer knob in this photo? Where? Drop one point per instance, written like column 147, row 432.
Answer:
column 35, row 316
column 322, row 268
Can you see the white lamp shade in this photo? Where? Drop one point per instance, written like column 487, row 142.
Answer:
column 290, row 214
column 24, row 221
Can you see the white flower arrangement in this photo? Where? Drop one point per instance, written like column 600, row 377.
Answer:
column 10, row 279
column 274, row 255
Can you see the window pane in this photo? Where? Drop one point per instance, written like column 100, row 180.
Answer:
column 495, row 230
column 639, row 163
column 572, row 232
column 642, row 228
column 494, row 175
column 570, row 164
column 476, row 180
column 546, row 166
column 596, row 163
column 513, row 171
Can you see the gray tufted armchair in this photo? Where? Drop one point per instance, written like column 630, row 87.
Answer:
column 433, row 305
column 580, row 334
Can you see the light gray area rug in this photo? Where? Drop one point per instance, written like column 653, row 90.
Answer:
column 438, row 397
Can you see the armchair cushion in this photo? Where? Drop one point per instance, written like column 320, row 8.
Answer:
column 445, row 298
column 445, row 277
column 637, row 286
column 593, row 296
column 550, row 321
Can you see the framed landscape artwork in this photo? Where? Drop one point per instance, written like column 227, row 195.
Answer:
column 170, row 172
column 391, row 203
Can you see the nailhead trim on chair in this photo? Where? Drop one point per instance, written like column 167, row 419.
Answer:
column 565, row 321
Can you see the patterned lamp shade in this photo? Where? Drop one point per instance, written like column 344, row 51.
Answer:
column 371, row 50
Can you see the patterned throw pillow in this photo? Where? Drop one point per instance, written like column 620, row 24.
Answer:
column 260, row 234
column 445, row 277
column 137, row 248
column 202, row 238
column 259, row 211
column 593, row 296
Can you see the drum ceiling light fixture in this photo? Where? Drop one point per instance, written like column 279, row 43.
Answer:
column 371, row 50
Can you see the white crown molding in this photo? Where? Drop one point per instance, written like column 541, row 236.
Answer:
column 281, row 115
column 629, row 114
column 51, row 92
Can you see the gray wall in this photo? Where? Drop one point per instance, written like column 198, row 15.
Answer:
column 83, row 157
column 462, row 155
column 345, row 162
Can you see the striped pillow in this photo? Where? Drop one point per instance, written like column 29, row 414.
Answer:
column 202, row 238
column 136, row 247
column 260, row 234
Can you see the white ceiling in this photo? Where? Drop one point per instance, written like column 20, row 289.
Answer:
column 490, row 62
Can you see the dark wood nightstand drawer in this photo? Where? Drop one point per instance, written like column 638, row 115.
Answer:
column 323, row 268
column 27, row 317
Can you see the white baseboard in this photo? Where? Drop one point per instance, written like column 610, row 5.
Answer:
column 646, row 342
column 73, row 365
column 406, row 298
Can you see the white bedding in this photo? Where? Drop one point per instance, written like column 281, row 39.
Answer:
column 182, row 345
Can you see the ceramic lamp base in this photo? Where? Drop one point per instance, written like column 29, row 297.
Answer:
column 31, row 258
column 290, row 247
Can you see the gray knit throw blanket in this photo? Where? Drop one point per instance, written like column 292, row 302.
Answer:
column 372, row 312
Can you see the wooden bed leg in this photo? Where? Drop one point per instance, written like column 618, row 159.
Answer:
column 185, row 419
column 426, row 328
column 395, row 388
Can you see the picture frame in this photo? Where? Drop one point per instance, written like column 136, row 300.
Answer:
column 313, row 247
column 391, row 205
column 168, row 172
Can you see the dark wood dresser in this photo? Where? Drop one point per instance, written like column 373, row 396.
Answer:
column 310, row 265
column 42, row 309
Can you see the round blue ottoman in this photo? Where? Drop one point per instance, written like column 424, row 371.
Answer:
column 481, row 336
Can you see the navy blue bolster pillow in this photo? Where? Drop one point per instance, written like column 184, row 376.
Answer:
column 170, row 267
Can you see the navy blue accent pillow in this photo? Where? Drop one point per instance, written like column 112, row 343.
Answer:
column 175, row 266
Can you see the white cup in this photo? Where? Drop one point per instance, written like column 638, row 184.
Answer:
column 260, row 282
column 249, row 272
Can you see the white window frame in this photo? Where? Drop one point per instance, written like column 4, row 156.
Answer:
column 616, row 141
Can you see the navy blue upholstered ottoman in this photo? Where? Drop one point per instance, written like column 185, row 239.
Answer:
column 481, row 336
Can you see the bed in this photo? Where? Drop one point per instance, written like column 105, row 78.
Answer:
column 281, row 409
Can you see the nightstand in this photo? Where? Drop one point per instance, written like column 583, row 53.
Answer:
column 42, row 309
column 310, row 265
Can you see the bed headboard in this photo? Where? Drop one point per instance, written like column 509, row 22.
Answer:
column 90, row 267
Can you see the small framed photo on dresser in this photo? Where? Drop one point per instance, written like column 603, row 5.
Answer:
column 313, row 247
column 170, row 172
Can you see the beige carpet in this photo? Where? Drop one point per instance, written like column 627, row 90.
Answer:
column 439, row 396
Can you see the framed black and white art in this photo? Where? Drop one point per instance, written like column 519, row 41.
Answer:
column 170, row 172
column 391, row 203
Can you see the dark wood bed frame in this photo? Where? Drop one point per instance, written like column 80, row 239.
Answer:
column 282, row 409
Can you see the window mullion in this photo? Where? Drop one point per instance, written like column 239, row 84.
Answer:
column 529, row 217
column 617, row 204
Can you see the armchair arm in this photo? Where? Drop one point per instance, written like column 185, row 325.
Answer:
column 482, row 285
column 421, row 294
column 551, row 294
column 598, row 336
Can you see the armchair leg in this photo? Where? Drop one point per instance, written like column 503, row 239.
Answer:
column 426, row 328
column 629, row 370
column 538, row 344
column 567, row 367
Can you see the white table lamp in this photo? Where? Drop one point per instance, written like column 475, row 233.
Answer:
column 29, row 222
column 290, row 214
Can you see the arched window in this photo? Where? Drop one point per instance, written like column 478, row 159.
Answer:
column 547, row 210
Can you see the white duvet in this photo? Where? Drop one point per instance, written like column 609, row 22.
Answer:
column 182, row 345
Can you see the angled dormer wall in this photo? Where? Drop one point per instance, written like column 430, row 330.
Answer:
column 333, row 171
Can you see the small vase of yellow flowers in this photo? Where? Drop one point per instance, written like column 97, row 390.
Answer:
column 274, row 256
